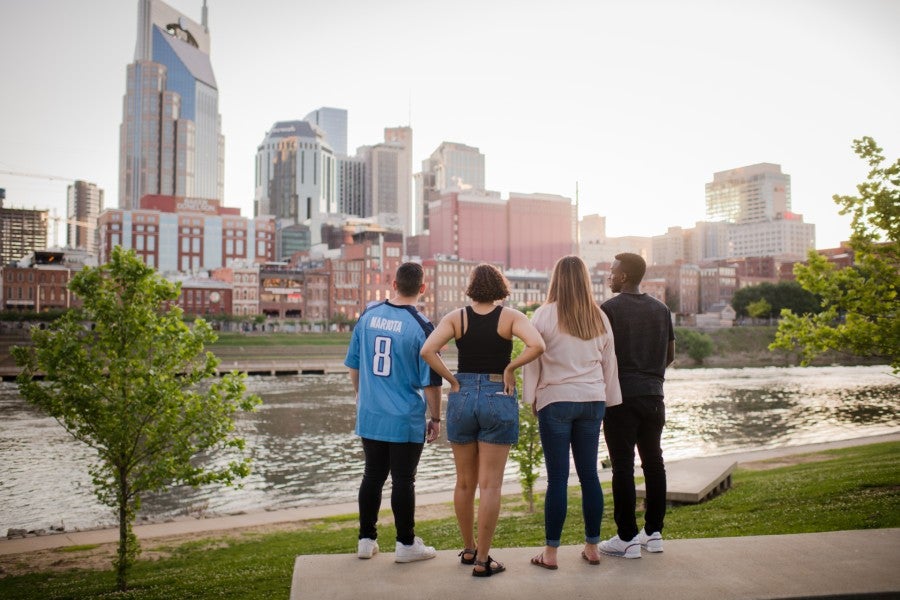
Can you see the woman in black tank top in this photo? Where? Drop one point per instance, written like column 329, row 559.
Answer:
column 482, row 410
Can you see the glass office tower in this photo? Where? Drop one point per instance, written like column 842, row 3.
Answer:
column 170, row 138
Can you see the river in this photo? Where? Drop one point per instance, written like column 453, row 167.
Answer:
column 304, row 451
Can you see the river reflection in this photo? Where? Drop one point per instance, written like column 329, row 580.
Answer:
column 304, row 451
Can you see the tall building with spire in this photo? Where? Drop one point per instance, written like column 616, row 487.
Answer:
column 171, row 139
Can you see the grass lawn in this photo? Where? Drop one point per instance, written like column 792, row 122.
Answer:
column 230, row 338
column 852, row 488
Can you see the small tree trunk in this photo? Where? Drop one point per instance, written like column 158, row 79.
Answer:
column 123, row 561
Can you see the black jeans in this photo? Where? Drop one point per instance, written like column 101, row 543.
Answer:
column 638, row 421
column 400, row 460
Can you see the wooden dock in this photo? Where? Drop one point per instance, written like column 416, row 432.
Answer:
column 695, row 480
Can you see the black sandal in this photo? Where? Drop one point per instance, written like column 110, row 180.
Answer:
column 489, row 568
column 466, row 552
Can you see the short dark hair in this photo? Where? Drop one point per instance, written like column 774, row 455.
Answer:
column 633, row 265
column 409, row 278
column 487, row 284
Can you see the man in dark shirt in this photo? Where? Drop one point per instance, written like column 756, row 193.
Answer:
column 645, row 346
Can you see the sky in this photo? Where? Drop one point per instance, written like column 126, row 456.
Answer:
column 637, row 102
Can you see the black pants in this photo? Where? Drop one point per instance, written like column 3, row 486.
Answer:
column 400, row 460
column 638, row 421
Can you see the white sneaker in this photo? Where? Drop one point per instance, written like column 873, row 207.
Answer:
column 652, row 542
column 415, row 551
column 366, row 548
column 616, row 547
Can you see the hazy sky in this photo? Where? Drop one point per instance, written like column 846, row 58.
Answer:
column 639, row 102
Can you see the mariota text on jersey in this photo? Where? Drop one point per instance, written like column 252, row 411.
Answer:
column 385, row 324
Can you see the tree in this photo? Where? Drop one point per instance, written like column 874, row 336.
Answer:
column 781, row 295
column 859, row 303
column 760, row 309
column 697, row 345
column 528, row 451
column 123, row 375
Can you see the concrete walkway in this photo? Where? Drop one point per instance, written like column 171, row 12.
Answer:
column 843, row 564
column 212, row 525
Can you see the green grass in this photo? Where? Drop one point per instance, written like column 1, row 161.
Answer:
column 855, row 488
column 228, row 339
column 78, row 548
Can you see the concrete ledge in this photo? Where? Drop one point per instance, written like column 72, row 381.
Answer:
column 839, row 564
column 696, row 479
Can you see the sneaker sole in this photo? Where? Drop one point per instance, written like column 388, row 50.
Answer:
column 622, row 554
column 654, row 549
column 417, row 559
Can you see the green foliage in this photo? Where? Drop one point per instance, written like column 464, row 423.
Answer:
column 854, row 488
column 30, row 315
column 123, row 375
column 698, row 345
column 528, row 451
column 782, row 295
column 859, row 304
column 760, row 309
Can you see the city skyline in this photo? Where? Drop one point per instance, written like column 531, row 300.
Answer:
column 640, row 103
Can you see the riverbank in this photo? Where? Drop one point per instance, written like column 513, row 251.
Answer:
column 834, row 489
column 438, row 502
column 281, row 353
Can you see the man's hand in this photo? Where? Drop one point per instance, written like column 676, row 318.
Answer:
column 432, row 431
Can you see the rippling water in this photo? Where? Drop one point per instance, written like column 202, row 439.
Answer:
column 305, row 453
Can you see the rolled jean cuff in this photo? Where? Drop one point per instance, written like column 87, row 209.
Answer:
column 592, row 540
column 552, row 543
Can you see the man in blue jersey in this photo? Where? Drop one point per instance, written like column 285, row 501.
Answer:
column 393, row 385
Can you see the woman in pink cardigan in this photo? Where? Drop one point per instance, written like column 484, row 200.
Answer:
column 569, row 388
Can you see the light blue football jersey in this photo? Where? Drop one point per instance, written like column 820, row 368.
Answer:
column 385, row 350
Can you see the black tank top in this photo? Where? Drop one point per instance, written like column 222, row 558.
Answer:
column 481, row 348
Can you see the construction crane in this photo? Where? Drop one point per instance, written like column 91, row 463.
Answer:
column 55, row 218
column 38, row 176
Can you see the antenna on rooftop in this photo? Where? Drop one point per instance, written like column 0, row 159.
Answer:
column 577, row 224
column 204, row 20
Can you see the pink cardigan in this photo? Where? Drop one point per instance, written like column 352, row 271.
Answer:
column 571, row 369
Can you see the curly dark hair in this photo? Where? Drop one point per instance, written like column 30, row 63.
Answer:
column 487, row 284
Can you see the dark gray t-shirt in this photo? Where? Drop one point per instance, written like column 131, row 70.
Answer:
column 642, row 328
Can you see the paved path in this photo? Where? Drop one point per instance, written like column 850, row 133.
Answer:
column 842, row 564
column 210, row 525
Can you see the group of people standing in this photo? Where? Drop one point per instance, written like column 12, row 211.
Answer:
column 583, row 365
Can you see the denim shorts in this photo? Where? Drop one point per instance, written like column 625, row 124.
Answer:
column 480, row 411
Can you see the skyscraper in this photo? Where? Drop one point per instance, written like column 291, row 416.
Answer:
column 170, row 138
column 451, row 166
column 84, row 203
column 333, row 121
column 389, row 176
column 22, row 231
column 752, row 194
column 756, row 202
column 296, row 177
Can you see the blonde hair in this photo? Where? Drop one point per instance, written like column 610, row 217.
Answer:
column 570, row 288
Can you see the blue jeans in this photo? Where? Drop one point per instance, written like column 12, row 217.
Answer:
column 576, row 425
column 481, row 412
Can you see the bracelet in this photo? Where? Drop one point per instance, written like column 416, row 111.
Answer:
column 433, row 420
